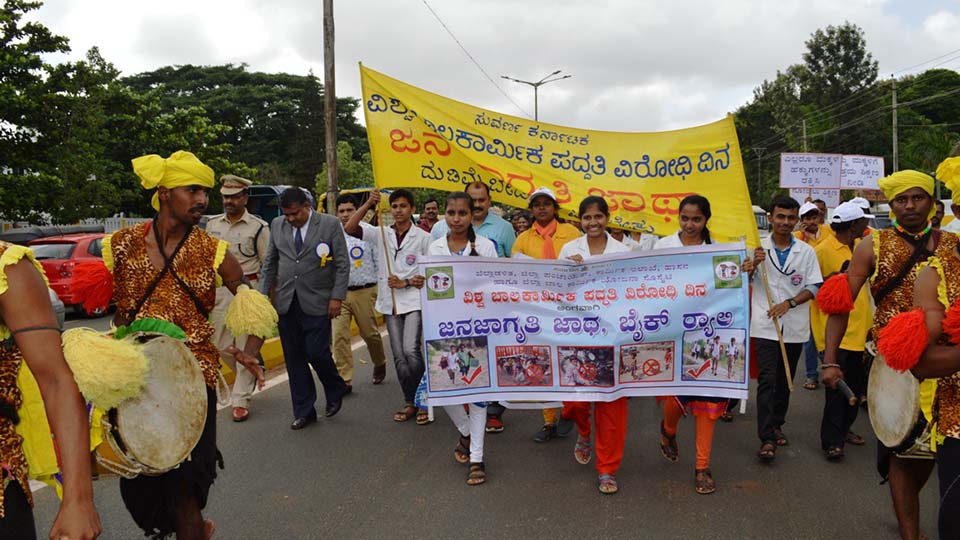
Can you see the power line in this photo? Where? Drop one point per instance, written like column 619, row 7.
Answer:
column 926, row 62
column 474, row 60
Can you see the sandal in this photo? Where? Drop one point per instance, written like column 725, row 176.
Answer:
column 727, row 417
column 582, row 452
column 462, row 452
column 834, row 453
column 607, row 484
column 855, row 439
column 768, row 451
column 668, row 445
column 780, row 438
column 404, row 414
column 704, row 482
column 477, row 474
column 209, row 527
column 423, row 417
column 810, row 384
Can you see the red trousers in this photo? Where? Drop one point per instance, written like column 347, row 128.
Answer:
column 611, row 429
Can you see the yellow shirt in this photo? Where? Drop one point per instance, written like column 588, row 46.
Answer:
column 831, row 253
column 825, row 231
column 530, row 243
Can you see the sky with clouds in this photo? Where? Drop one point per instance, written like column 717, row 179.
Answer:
column 636, row 65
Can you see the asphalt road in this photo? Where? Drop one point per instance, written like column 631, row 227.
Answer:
column 361, row 475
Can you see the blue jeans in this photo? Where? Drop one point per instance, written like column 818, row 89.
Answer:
column 406, row 342
column 811, row 358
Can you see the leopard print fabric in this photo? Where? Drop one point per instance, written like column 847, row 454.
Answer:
column 133, row 272
column 12, row 460
column 892, row 252
column 947, row 404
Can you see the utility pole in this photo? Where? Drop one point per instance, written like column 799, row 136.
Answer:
column 536, row 86
column 896, row 149
column 330, row 108
column 804, row 124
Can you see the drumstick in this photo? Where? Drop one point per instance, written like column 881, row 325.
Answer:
column 851, row 398
column 776, row 324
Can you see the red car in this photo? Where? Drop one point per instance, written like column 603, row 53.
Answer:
column 59, row 255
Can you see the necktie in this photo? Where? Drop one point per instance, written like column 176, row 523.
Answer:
column 298, row 241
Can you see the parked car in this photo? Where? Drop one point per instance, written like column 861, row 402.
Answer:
column 59, row 255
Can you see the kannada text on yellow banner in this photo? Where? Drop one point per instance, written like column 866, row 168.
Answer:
column 421, row 139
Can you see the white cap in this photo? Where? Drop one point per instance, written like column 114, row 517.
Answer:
column 847, row 212
column 542, row 191
column 808, row 207
column 861, row 202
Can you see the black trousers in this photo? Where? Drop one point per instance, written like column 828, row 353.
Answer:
column 838, row 415
column 773, row 394
column 17, row 523
column 306, row 343
column 948, row 472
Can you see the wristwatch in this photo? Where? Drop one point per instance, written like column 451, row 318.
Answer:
column 792, row 302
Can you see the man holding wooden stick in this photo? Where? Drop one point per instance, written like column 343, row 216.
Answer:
column 791, row 277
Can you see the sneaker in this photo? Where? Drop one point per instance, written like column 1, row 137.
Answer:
column 494, row 424
column 564, row 427
column 546, row 433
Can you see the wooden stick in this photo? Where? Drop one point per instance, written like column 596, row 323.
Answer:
column 386, row 257
column 776, row 324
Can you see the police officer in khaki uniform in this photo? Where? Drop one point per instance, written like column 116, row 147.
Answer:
column 249, row 238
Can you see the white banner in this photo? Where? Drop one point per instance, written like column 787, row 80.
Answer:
column 810, row 170
column 861, row 172
column 664, row 322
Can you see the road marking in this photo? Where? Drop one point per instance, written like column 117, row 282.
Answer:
column 274, row 381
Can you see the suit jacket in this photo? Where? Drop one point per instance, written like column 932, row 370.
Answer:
column 303, row 273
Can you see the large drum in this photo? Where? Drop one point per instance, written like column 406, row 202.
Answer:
column 893, row 399
column 156, row 431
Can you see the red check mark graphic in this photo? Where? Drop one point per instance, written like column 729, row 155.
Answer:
column 696, row 374
column 472, row 377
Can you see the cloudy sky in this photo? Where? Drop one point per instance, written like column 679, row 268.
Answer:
column 636, row 65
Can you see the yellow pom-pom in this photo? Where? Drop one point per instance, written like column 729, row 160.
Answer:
column 107, row 371
column 251, row 313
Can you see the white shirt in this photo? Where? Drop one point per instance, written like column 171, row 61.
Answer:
column 485, row 247
column 579, row 246
column 403, row 264
column 800, row 270
column 363, row 256
column 672, row 241
column 303, row 230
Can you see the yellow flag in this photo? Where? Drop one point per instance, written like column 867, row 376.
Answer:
column 421, row 139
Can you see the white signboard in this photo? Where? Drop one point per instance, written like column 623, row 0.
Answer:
column 829, row 196
column 860, row 172
column 810, row 170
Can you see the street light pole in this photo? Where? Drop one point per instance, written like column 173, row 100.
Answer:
column 553, row 77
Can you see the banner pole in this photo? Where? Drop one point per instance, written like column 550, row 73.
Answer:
column 386, row 257
column 776, row 324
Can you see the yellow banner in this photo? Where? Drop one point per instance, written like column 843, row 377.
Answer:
column 420, row 139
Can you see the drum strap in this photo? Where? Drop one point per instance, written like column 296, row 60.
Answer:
column 167, row 267
column 920, row 253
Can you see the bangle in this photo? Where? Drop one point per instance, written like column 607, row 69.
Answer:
column 831, row 366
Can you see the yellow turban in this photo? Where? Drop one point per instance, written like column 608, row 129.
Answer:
column 949, row 173
column 182, row 168
column 898, row 182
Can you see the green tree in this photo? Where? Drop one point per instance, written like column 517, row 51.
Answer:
column 351, row 173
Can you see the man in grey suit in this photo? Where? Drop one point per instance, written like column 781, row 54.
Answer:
column 308, row 268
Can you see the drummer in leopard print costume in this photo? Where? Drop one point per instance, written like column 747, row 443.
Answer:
column 890, row 260
column 169, row 269
column 925, row 341
column 32, row 335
